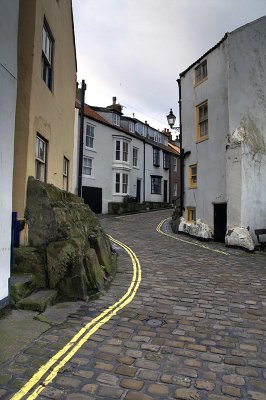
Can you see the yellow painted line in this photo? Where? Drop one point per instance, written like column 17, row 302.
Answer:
column 84, row 334
column 158, row 229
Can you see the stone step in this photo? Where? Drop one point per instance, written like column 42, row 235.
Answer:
column 21, row 286
column 38, row 301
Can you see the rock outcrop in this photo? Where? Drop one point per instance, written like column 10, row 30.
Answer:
column 69, row 251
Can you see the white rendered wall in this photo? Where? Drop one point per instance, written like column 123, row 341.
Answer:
column 104, row 165
column 150, row 169
column 74, row 188
column 8, row 92
column 247, row 120
column 209, row 155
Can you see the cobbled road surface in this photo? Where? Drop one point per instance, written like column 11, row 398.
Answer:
column 194, row 330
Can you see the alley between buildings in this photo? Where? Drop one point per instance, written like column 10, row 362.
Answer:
column 192, row 326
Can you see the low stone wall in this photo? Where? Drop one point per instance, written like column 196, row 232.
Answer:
column 128, row 208
column 69, row 251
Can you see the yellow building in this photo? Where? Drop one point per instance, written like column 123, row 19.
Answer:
column 45, row 97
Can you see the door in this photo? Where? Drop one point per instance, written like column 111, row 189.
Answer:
column 138, row 190
column 220, row 221
column 165, row 191
column 93, row 197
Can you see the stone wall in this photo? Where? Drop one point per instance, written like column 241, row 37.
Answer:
column 116, row 208
column 78, row 258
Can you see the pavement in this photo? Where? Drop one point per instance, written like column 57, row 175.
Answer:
column 182, row 320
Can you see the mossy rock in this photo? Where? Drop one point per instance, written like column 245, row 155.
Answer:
column 30, row 260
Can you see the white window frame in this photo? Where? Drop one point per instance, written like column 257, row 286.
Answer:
column 121, row 183
column 47, row 56
column 156, row 183
column 131, row 127
column 89, row 166
column 175, row 164
column 116, row 119
column 65, row 174
column 89, row 136
column 41, row 158
column 122, row 150
column 135, row 157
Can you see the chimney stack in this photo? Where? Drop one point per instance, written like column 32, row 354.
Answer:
column 114, row 100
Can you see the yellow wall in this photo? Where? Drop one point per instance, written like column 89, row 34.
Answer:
column 50, row 113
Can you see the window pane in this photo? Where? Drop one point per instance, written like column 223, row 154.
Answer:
column 125, row 151
column 117, row 150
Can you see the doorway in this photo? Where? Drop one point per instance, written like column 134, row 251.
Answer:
column 165, row 191
column 220, row 222
column 138, row 190
column 93, row 197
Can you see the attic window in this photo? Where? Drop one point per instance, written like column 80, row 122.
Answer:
column 201, row 72
column 116, row 119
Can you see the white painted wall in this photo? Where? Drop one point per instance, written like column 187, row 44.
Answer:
column 232, row 162
column 150, row 169
column 104, row 165
column 8, row 92
column 209, row 155
column 247, row 121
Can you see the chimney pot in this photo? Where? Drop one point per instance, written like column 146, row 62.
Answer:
column 114, row 100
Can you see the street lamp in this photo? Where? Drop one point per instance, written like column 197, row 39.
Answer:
column 171, row 120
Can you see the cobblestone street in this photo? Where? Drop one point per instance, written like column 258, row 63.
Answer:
column 195, row 329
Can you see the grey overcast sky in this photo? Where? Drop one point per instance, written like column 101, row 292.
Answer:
column 135, row 49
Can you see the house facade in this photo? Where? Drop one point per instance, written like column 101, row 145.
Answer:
column 119, row 161
column 8, row 92
column 224, row 138
column 45, row 98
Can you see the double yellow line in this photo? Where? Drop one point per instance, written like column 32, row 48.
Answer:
column 69, row 350
column 159, row 230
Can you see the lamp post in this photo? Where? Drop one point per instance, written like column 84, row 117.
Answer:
column 171, row 118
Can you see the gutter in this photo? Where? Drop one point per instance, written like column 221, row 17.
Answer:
column 181, row 152
column 81, row 135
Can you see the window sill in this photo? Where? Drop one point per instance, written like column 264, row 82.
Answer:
column 202, row 139
column 120, row 194
column 88, row 177
column 90, row 149
column 198, row 83
column 193, row 187
column 135, row 167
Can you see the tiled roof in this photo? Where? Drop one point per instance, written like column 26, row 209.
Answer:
column 174, row 147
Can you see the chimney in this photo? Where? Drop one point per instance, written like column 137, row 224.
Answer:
column 114, row 100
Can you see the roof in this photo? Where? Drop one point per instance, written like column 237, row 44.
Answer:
column 203, row 56
column 174, row 147
column 92, row 114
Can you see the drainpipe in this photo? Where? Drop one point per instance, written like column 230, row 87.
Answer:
column 181, row 153
column 144, row 167
column 81, row 135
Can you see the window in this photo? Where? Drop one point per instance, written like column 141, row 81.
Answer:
column 117, row 150
column 125, row 151
column 135, row 156
column 40, row 158
column 116, row 120
column 175, row 164
column 201, row 72
column 87, row 166
column 121, row 178
column 191, row 214
column 47, row 56
column 89, row 136
column 156, row 157
column 192, row 176
column 131, row 127
column 65, row 173
column 166, row 160
column 202, row 121
column 125, row 183
column 156, row 185
column 121, row 146
column 175, row 190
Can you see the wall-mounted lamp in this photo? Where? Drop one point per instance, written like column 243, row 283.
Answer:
column 171, row 120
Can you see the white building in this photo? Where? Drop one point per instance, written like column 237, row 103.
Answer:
column 118, row 161
column 8, row 92
column 223, row 115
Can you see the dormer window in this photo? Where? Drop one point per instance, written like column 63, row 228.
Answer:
column 116, row 119
column 131, row 127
